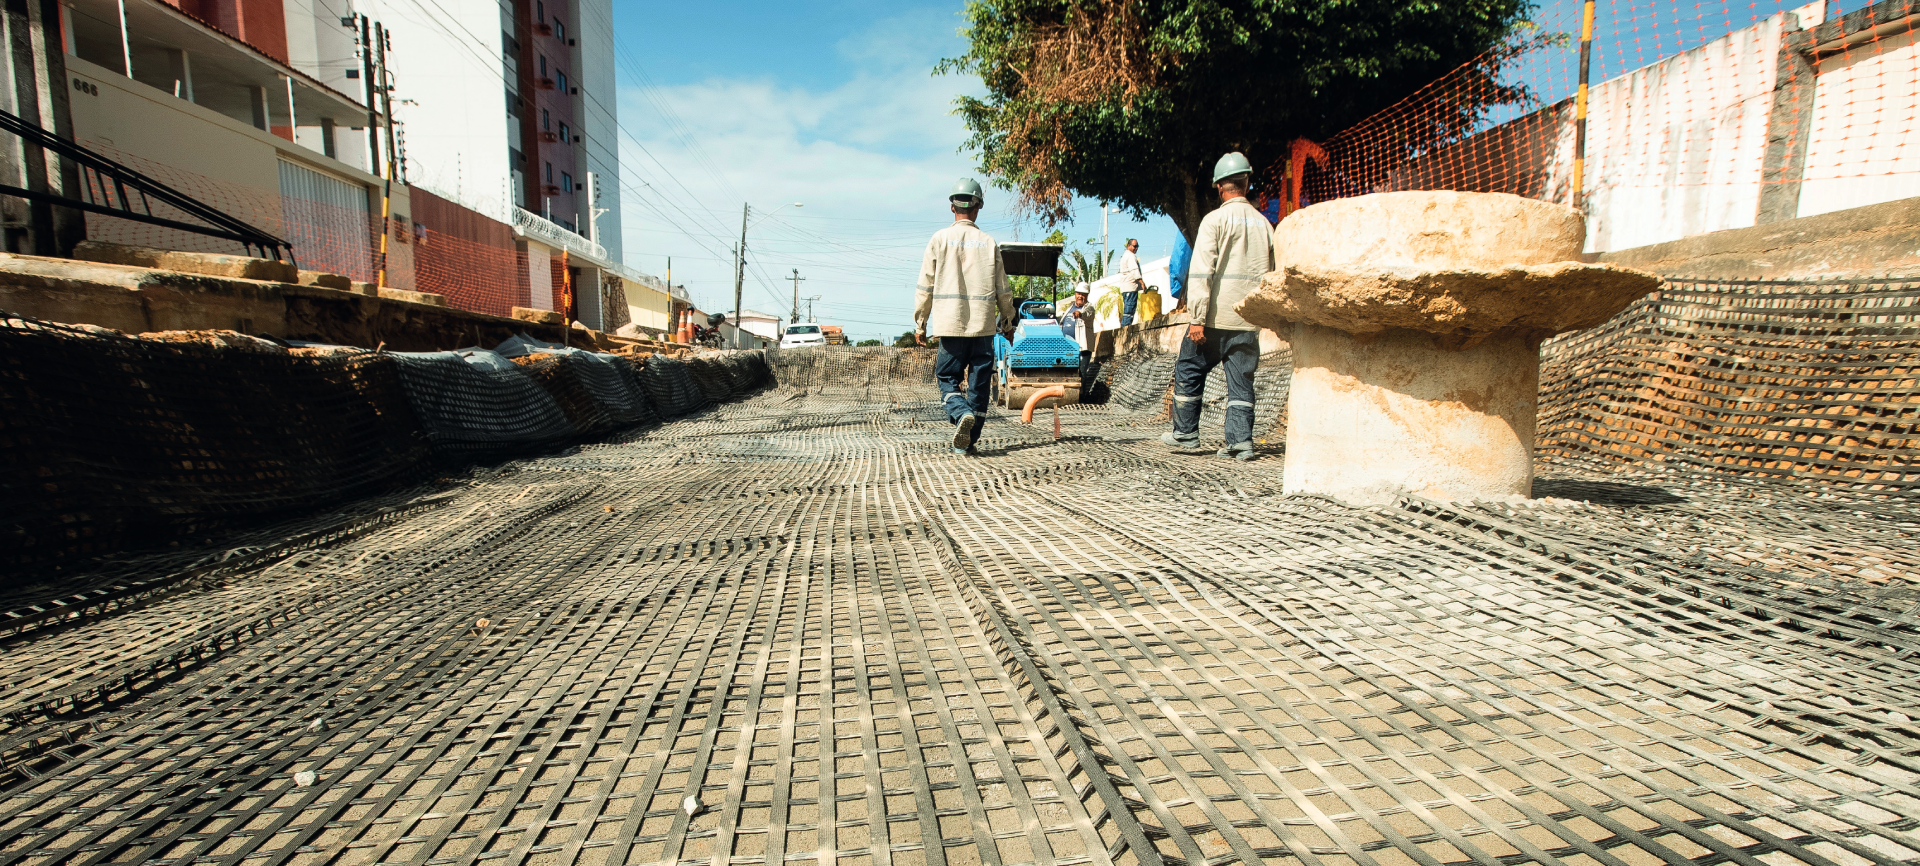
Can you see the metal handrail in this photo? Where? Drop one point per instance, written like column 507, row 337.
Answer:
column 115, row 180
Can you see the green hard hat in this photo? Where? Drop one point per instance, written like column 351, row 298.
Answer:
column 1230, row 165
column 966, row 188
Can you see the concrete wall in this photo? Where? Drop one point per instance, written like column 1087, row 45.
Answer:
column 1676, row 148
column 1863, row 146
column 647, row 306
column 1876, row 240
column 225, row 163
column 236, row 166
column 1792, row 117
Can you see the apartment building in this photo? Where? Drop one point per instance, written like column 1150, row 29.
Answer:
column 276, row 112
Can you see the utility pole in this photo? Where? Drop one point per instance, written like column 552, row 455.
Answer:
column 796, row 297
column 373, row 111
column 739, row 272
column 380, row 85
column 810, row 301
column 1580, row 108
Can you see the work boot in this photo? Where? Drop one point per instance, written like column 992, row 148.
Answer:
column 1241, row 451
column 963, row 433
column 1180, row 443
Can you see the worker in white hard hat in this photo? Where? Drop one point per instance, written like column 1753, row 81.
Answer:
column 963, row 299
column 1076, row 324
column 1233, row 251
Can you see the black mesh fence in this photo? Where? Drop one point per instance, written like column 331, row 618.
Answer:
column 110, row 442
column 480, row 403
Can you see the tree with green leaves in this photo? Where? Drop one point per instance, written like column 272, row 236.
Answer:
column 864, row 343
column 1132, row 100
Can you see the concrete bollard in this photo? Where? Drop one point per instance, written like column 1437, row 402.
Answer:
column 1416, row 320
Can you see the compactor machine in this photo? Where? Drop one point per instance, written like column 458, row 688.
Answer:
column 1040, row 355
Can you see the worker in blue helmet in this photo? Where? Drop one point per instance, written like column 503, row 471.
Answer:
column 963, row 298
column 1233, row 251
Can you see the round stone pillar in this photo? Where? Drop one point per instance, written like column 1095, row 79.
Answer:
column 1416, row 320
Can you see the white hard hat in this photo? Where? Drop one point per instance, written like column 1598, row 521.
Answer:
column 1082, row 289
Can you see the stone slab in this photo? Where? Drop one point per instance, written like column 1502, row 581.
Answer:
column 429, row 299
column 326, row 281
column 206, row 264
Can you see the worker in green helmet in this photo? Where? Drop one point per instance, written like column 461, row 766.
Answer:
column 1233, row 251
column 963, row 298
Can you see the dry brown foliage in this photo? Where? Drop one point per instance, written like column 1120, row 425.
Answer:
column 1098, row 51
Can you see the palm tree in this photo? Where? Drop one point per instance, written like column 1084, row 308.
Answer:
column 1084, row 268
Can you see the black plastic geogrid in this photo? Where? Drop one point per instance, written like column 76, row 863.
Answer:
column 110, row 442
column 795, row 630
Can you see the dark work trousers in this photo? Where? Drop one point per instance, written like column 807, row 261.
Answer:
column 1240, row 352
column 1129, row 301
column 971, row 357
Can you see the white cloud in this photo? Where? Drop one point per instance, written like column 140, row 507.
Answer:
column 871, row 157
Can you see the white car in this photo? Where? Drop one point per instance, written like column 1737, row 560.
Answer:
column 803, row 334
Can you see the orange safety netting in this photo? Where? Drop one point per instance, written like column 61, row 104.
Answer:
column 1701, row 116
column 475, row 276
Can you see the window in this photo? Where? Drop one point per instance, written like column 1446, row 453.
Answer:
column 543, row 66
column 544, row 118
column 563, row 81
column 566, row 182
column 566, row 135
column 539, row 8
column 560, row 29
column 803, row 329
column 549, row 172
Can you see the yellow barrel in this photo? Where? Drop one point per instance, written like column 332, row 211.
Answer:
column 1148, row 307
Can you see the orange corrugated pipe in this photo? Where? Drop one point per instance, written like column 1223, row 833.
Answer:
column 1026, row 415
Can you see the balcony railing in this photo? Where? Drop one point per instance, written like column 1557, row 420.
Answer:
column 546, row 231
column 111, row 189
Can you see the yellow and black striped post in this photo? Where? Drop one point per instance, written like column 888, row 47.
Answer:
column 1580, row 108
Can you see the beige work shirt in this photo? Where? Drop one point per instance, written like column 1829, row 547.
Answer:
column 1234, row 251
column 1129, row 270
column 1082, row 322
column 963, row 284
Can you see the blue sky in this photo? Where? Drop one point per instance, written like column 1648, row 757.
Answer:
column 833, row 105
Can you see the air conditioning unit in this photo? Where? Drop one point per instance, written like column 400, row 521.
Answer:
column 546, row 84
column 544, row 28
column 549, row 136
column 551, row 189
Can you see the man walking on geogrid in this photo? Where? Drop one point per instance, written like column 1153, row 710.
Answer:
column 962, row 290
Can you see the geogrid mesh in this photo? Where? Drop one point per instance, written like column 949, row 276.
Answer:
column 112, row 443
column 794, row 629
column 1813, row 381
